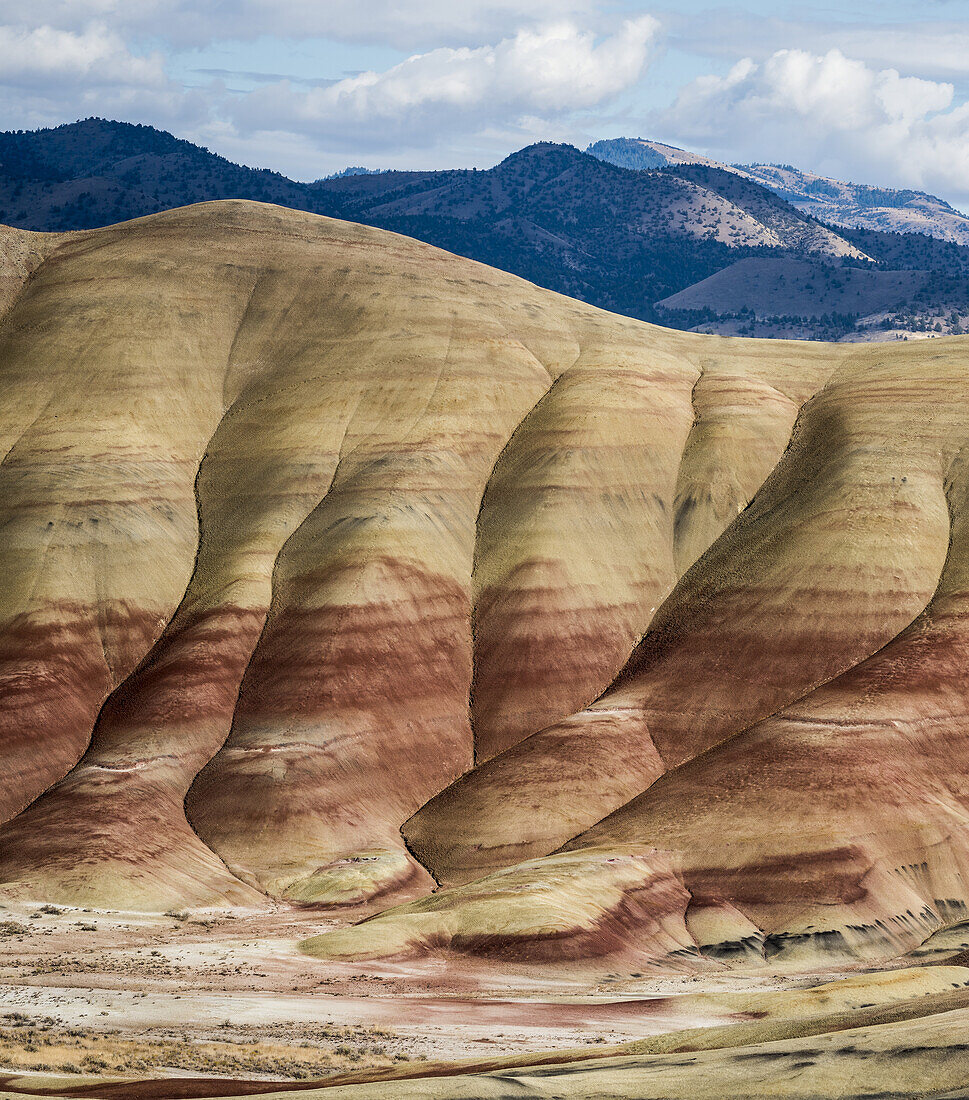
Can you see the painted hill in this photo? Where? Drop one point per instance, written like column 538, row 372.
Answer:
column 340, row 569
column 832, row 201
column 252, row 476
column 783, row 752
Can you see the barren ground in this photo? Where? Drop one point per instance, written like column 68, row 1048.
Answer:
column 229, row 995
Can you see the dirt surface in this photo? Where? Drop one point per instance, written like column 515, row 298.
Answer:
column 229, row 994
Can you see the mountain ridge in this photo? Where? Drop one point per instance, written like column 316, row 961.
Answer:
column 566, row 234
column 833, row 201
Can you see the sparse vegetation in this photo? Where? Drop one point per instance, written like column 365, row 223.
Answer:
column 41, row 1044
column 616, row 238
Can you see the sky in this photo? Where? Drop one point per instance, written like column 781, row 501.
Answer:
column 871, row 92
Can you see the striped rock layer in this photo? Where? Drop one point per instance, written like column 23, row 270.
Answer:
column 339, row 568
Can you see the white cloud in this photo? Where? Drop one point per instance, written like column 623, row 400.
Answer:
column 934, row 49
column 415, row 24
column 49, row 75
column 94, row 56
column 824, row 93
column 829, row 113
column 465, row 104
column 548, row 72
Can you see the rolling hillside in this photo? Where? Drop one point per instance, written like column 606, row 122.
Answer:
column 339, row 567
column 768, row 287
column 481, row 639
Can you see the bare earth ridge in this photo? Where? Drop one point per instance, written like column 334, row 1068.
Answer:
column 503, row 632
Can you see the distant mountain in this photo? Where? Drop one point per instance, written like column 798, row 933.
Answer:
column 640, row 153
column 862, row 206
column 626, row 240
column 568, row 193
column 354, row 170
column 856, row 205
column 559, row 217
column 95, row 173
column 616, row 239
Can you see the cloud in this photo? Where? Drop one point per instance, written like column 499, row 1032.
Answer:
column 250, row 76
column 830, row 93
column 92, row 57
column 464, row 103
column 549, row 72
column 417, row 24
column 932, row 49
column 830, row 113
column 49, row 75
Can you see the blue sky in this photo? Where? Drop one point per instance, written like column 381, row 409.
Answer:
column 876, row 92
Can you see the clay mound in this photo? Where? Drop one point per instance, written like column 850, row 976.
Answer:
column 840, row 549
column 313, row 534
column 835, row 826
column 320, row 513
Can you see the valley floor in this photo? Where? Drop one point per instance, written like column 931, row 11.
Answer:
column 228, row 996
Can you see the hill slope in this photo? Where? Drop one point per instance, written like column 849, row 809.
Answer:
column 332, row 401
column 852, row 205
column 862, row 206
column 335, row 562
column 97, row 172
column 818, row 831
column 768, row 287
